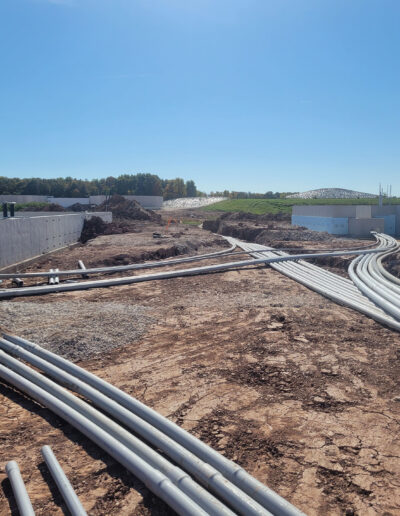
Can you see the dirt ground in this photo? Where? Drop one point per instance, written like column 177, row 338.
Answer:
column 301, row 392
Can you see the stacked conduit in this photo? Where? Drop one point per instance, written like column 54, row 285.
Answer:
column 202, row 481
column 372, row 290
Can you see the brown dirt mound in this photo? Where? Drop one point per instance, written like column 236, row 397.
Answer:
column 121, row 208
column 96, row 226
column 78, row 207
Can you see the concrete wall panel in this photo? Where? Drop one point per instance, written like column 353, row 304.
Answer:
column 332, row 225
column 334, row 210
column 24, row 238
column 363, row 227
column 389, row 223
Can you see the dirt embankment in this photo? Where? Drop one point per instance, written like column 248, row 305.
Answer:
column 125, row 213
column 125, row 209
column 263, row 229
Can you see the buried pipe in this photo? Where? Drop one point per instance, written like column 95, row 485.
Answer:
column 20, row 493
column 64, row 486
column 180, row 438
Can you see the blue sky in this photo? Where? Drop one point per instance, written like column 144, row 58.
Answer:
column 254, row 95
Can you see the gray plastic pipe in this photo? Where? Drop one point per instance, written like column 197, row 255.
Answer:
column 319, row 283
column 20, row 493
column 67, row 491
column 160, row 263
column 206, row 472
column 197, row 493
column 26, row 291
column 158, row 483
column 120, row 268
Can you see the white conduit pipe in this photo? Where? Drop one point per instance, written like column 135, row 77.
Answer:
column 374, row 286
column 300, row 267
column 158, row 483
column 317, row 276
column 374, row 269
column 320, row 286
column 342, row 296
column 386, row 273
column 20, row 493
column 231, row 471
column 387, row 289
column 203, row 498
column 64, row 486
column 150, row 265
column 26, row 291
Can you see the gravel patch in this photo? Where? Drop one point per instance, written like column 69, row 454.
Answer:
column 190, row 202
column 76, row 330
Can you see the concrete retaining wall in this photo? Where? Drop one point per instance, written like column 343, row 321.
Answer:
column 332, row 225
column 363, row 227
column 66, row 202
column 329, row 210
column 23, row 198
column 22, row 238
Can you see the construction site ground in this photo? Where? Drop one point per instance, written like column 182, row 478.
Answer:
column 300, row 391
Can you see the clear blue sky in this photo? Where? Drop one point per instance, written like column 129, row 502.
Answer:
column 240, row 94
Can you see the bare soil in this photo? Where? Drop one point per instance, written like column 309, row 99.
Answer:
column 300, row 391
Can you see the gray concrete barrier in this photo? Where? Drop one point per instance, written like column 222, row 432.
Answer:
column 22, row 238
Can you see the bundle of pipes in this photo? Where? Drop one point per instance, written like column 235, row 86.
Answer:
column 374, row 281
column 341, row 290
column 216, row 486
column 275, row 257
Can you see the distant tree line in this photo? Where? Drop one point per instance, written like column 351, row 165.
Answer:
column 126, row 184
column 250, row 195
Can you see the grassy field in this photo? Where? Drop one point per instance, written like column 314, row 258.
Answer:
column 261, row 206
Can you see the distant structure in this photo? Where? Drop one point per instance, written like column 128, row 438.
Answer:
column 353, row 220
column 331, row 193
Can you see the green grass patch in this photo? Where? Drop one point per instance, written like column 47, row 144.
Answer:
column 34, row 205
column 261, row 206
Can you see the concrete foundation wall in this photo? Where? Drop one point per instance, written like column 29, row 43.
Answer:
column 25, row 237
column 66, row 202
column 389, row 223
column 363, row 227
column 23, row 198
column 334, row 210
column 332, row 225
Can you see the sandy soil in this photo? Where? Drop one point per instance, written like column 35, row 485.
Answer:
column 302, row 392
